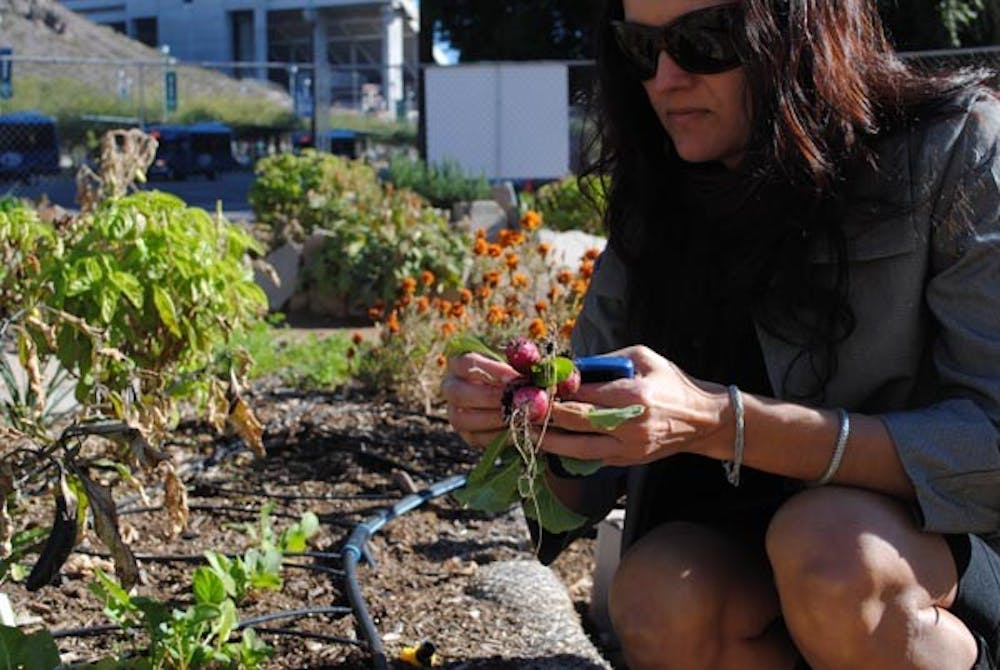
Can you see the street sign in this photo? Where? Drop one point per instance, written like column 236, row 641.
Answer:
column 6, row 73
column 170, row 86
column 303, row 95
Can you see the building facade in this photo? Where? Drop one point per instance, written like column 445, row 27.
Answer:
column 367, row 44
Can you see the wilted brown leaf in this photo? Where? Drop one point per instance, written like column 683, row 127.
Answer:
column 247, row 426
column 102, row 507
column 174, row 499
column 60, row 542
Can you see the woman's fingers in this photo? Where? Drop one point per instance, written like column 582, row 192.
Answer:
column 460, row 393
column 476, row 420
column 481, row 369
column 479, row 439
column 591, row 447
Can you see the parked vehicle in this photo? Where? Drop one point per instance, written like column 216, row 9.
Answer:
column 29, row 145
column 199, row 148
column 343, row 142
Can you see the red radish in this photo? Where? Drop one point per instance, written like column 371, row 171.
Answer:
column 522, row 353
column 533, row 401
column 570, row 385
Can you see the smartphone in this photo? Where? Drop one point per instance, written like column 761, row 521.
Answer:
column 604, row 368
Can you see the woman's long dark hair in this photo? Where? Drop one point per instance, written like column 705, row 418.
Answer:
column 823, row 83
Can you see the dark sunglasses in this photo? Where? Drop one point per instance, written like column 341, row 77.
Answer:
column 704, row 41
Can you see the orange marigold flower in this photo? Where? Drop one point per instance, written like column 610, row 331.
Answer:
column 357, row 338
column 516, row 238
column 567, row 327
column 496, row 315
column 541, row 307
column 495, row 250
column 484, row 293
column 579, row 286
column 458, row 310
column 350, row 352
column 481, row 234
column 587, row 269
column 544, row 248
column 408, row 285
column 564, row 277
column 503, row 238
column 480, row 247
column 423, row 304
column 591, row 254
column 442, row 361
column 375, row 314
column 537, row 329
column 515, row 313
column 392, row 323
column 512, row 261
column 491, row 278
column 404, row 300
column 531, row 220
column 519, row 280
column 465, row 296
column 444, row 307
column 427, row 277
column 448, row 329
column 555, row 293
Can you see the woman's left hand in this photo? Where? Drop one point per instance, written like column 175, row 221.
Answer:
column 681, row 415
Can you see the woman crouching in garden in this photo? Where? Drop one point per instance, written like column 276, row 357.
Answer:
column 804, row 266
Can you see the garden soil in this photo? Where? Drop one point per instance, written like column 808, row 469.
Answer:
column 343, row 456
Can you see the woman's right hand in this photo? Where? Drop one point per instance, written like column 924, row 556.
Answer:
column 473, row 388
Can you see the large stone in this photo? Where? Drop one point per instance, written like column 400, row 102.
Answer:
column 607, row 555
column 489, row 216
column 505, row 196
column 286, row 263
column 569, row 246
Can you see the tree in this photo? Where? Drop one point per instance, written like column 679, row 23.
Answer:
column 561, row 29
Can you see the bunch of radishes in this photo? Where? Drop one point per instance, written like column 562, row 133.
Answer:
column 530, row 394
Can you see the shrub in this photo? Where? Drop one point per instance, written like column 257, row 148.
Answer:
column 295, row 195
column 565, row 207
column 443, row 184
column 370, row 250
column 512, row 289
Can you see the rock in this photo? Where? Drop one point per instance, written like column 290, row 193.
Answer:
column 286, row 261
column 505, row 196
column 543, row 613
column 313, row 246
column 489, row 216
column 569, row 246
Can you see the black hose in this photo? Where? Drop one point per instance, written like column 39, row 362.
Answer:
column 356, row 547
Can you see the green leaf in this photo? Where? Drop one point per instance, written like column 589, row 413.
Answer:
column 489, row 459
column 551, row 371
column 580, row 467
column 28, row 652
column 463, row 343
column 165, row 308
column 222, row 567
column 497, row 491
column 549, row 511
column 130, row 287
column 208, row 586
column 609, row 418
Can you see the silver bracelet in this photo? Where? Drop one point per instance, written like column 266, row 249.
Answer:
column 838, row 450
column 732, row 468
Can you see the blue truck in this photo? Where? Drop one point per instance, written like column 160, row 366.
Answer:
column 198, row 148
column 29, row 146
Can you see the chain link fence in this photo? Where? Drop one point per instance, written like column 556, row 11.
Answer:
column 53, row 111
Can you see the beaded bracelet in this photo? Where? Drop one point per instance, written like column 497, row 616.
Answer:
column 838, row 450
column 732, row 468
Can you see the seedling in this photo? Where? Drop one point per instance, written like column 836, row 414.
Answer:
column 510, row 469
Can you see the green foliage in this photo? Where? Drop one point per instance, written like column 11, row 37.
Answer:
column 564, row 206
column 311, row 363
column 296, row 195
column 368, row 253
column 19, row 651
column 143, row 295
column 443, row 184
column 937, row 24
column 189, row 639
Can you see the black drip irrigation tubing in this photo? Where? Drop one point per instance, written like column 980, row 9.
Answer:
column 356, row 547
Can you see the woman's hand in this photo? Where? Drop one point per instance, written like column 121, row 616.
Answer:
column 473, row 388
column 682, row 415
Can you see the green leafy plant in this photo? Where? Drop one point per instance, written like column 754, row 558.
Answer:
column 368, row 253
column 36, row 651
column 296, row 195
column 564, row 206
column 188, row 639
column 443, row 184
column 310, row 362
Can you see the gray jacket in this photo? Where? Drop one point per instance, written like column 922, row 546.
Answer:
column 925, row 290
